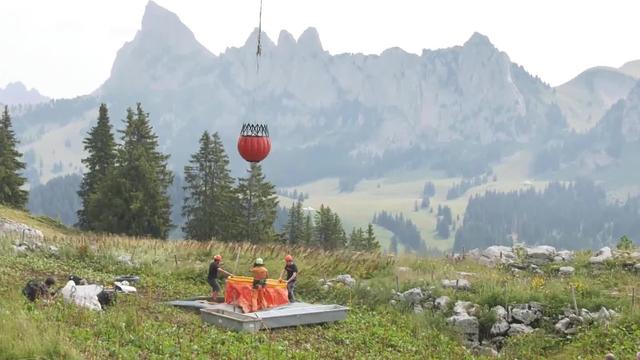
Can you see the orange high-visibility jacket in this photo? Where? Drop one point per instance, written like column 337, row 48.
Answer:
column 259, row 272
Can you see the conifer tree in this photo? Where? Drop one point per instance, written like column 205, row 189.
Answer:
column 101, row 157
column 133, row 200
column 371, row 244
column 11, row 180
column 329, row 233
column 294, row 228
column 257, row 205
column 356, row 239
column 209, row 200
column 307, row 231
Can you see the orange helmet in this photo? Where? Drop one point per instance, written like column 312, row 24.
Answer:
column 217, row 258
column 288, row 258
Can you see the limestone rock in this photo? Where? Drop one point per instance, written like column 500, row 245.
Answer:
column 517, row 329
column 459, row 284
column 346, row 279
column 566, row 271
column 601, row 256
column 442, row 302
column 500, row 327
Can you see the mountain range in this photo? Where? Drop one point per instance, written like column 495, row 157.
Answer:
column 16, row 93
column 460, row 110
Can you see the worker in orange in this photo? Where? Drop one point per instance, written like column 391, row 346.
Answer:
column 292, row 275
column 260, row 274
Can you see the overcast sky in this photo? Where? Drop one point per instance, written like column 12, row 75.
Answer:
column 65, row 48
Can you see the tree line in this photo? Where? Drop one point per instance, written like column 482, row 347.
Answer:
column 575, row 215
column 128, row 189
column 404, row 230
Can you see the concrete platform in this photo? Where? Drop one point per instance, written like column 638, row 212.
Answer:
column 295, row 314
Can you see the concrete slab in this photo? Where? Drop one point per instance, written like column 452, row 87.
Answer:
column 294, row 314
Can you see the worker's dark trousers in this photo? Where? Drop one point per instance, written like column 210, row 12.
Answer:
column 291, row 287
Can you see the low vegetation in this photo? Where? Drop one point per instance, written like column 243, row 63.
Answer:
column 140, row 326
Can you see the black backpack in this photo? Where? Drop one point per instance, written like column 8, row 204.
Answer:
column 106, row 297
column 32, row 290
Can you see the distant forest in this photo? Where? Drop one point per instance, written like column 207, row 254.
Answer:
column 404, row 230
column 571, row 216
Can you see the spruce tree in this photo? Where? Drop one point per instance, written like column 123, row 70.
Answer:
column 329, row 233
column 294, row 228
column 371, row 244
column 308, row 230
column 133, row 200
column 209, row 200
column 356, row 240
column 257, row 206
column 101, row 157
column 11, row 180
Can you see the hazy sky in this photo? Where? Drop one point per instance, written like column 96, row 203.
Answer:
column 65, row 48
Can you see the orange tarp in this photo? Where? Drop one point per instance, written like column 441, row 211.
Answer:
column 239, row 292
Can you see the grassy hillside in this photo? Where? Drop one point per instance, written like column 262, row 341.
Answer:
column 398, row 193
column 139, row 326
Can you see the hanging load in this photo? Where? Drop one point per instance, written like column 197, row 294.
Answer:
column 254, row 143
column 239, row 292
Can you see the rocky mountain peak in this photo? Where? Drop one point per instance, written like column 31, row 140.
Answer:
column 478, row 39
column 17, row 93
column 309, row 40
column 285, row 39
column 163, row 48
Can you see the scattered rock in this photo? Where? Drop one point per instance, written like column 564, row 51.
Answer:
column 459, row 284
column 403, row 269
column 465, row 307
column 566, row 271
column 500, row 312
column 486, row 351
column 562, row 325
column 604, row 315
column 54, row 250
column 565, row 255
column 517, row 329
column 417, row 308
column 468, row 325
column 20, row 248
column 540, row 255
column 19, row 231
column 494, row 255
column 412, row 296
column 346, row 279
column 500, row 327
column 442, row 302
column 125, row 259
column 524, row 316
column 636, row 267
column 601, row 256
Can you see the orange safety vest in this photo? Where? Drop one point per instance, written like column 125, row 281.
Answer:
column 259, row 273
